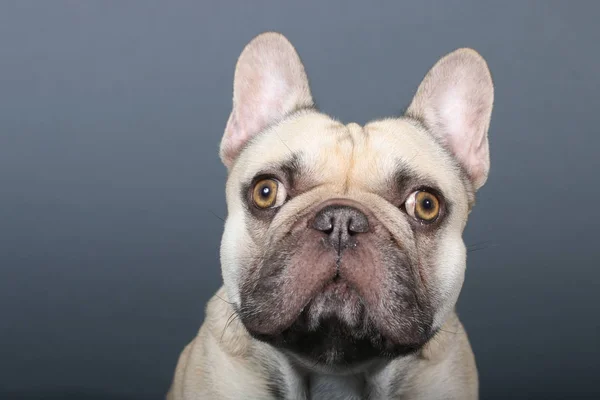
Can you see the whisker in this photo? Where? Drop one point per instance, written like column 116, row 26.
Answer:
column 285, row 144
column 443, row 330
column 477, row 244
column 222, row 299
column 231, row 318
column 480, row 246
column 213, row 213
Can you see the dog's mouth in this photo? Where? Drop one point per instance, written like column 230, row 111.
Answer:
column 336, row 329
column 337, row 300
column 334, row 299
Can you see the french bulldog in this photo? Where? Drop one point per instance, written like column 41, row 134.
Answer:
column 342, row 255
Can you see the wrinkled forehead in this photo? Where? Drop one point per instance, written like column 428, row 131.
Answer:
column 320, row 150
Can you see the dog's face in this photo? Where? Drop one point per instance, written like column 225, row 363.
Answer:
column 343, row 243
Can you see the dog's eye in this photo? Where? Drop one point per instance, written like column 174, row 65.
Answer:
column 423, row 206
column 268, row 193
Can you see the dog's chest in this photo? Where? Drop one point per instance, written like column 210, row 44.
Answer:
column 335, row 388
column 328, row 387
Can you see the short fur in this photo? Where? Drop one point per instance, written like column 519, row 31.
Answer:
column 303, row 317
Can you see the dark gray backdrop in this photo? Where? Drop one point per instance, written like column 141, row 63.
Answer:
column 111, row 190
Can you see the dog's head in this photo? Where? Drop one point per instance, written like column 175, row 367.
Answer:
column 343, row 243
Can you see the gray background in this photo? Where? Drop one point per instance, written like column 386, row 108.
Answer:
column 111, row 190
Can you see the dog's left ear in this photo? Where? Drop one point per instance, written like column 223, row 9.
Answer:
column 269, row 83
column 455, row 102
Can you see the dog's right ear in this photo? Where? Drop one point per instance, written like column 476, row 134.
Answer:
column 269, row 83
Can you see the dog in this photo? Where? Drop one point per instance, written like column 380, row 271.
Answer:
column 342, row 255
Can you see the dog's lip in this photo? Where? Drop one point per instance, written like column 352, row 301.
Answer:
column 322, row 288
column 317, row 290
column 336, row 284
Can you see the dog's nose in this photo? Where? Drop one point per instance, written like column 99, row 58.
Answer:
column 341, row 224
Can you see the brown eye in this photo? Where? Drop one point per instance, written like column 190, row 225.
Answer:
column 423, row 205
column 268, row 193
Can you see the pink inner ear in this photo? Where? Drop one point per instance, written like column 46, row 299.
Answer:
column 467, row 139
column 455, row 100
column 257, row 109
column 265, row 103
column 466, row 130
column 264, row 98
column 269, row 82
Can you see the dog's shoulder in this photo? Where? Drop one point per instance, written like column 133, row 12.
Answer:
column 445, row 365
column 222, row 349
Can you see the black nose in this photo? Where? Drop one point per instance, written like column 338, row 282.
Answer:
column 341, row 224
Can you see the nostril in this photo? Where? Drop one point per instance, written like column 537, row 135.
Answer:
column 352, row 227
column 358, row 224
column 327, row 230
column 323, row 223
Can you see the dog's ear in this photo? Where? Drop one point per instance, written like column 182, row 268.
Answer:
column 269, row 83
column 455, row 102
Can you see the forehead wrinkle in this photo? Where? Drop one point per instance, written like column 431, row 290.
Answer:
column 359, row 140
column 350, row 139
